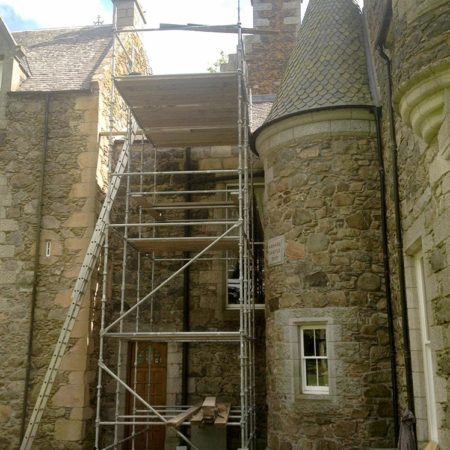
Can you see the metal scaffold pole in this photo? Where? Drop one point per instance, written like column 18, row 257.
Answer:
column 166, row 229
column 157, row 236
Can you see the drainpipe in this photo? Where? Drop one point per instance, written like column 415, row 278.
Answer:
column 35, row 270
column 397, row 213
column 387, row 274
column 186, row 290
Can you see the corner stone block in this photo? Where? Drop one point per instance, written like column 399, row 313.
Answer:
column 7, row 251
column 86, row 102
column 76, row 357
column 82, row 190
column 81, row 413
column 87, row 160
column 78, row 220
column 290, row 20
column 63, row 298
column 8, row 225
column 69, row 430
column 81, row 328
column 8, row 277
column 76, row 243
column 71, row 395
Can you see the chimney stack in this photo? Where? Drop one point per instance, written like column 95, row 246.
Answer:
column 129, row 13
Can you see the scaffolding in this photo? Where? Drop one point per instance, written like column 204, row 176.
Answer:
column 165, row 226
column 167, row 220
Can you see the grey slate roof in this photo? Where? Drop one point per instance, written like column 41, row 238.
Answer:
column 63, row 59
column 328, row 66
column 259, row 114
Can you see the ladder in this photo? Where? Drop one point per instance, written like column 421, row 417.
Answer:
column 78, row 292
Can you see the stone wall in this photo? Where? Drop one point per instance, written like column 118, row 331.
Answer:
column 418, row 46
column 18, row 228
column 267, row 54
column 11, row 74
column 322, row 196
column 134, row 59
column 70, row 204
column 66, row 219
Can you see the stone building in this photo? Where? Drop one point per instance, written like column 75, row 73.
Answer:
column 55, row 94
column 353, row 148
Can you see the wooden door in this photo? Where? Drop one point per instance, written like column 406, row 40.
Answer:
column 148, row 377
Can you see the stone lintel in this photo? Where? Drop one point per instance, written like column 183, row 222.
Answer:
column 422, row 101
column 326, row 124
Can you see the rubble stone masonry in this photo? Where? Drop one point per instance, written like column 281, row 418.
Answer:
column 267, row 54
column 322, row 197
column 72, row 179
column 66, row 219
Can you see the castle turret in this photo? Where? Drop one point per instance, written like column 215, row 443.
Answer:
column 327, row 343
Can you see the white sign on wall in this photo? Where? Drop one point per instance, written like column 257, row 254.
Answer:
column 275, row 251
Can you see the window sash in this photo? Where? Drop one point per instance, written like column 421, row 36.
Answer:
column 307, row 388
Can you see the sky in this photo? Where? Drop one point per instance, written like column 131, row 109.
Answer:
column 169, row 52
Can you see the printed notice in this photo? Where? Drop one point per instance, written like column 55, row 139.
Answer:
column 275, row 251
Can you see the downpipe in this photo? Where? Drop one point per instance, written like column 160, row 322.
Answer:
column 387, row 274
column 35, row 271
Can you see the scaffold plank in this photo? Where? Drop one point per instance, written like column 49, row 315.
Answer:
column 184, row 416
column 223, row 414
column 147, row 202
column 180, row 336
column 183, row 110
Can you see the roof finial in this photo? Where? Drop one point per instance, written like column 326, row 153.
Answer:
column 98, row 22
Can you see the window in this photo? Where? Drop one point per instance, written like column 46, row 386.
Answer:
column 232, row 259
column 426, row 348
column 314, row 359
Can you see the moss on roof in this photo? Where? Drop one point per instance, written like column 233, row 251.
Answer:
column 328, row 66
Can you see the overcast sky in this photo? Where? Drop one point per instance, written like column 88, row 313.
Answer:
column 170, row 52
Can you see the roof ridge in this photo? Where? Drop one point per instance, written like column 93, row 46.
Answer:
column 78, row 27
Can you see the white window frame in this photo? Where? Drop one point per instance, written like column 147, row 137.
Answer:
column 317, row 390
column 426, row 348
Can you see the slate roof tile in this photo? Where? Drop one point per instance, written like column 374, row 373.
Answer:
column 65, row 58
column 328, row 66
column 259, row 114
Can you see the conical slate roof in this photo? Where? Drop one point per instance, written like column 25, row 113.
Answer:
column 328, row 66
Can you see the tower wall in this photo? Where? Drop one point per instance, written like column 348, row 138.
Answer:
column 322, row 198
